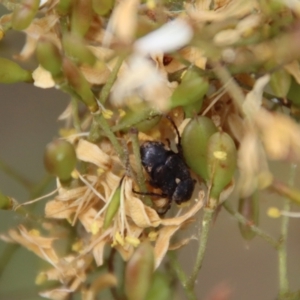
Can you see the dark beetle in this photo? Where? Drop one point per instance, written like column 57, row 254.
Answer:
column 167, row 171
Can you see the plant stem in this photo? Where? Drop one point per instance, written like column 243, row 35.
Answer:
column 240, row 218
column 282, row 251
column 100, row 120
column 231, row 86
column 7, row 255
column 111, row 79
column 76, row 120
column 15, row 175
column 40, row 187
column 202, row 238
column 181, row 275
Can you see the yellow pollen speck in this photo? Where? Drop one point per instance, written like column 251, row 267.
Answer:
column 1, row 34
column 100, row 171
column 132, row 241
column 273, row 212
column 151, row 4
column 107, row 114
column 119, row 239
column 182, row 74
column 221, row 155
column 66, row 132
column 75, row 174
column 94, row 228
column 41, row 278
column 184, row 204
column 77, row 247
column 122, row 112
column 152, row 236
column 34, row 232
column 264, row 180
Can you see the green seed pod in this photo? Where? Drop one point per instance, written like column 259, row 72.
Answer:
column 76, row 50
column 102, row 7
column 194, row 140
column 6, row 202
column 280, row 83
column 63, row 7
column 249, row 208
column 113, row 206
column 191, row 89
column 60, row 159
column 191, row 110
column 10, row 72
column 221, row 163
column 139, row 272
column 80, row 84
column 160, row 287
column 140, row 117
column 294, row 93
column 49, row 57
column 24, row 14
column 81, row 18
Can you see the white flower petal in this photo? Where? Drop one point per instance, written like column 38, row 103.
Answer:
column 169, row 37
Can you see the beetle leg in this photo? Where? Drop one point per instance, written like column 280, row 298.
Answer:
column 150, row 194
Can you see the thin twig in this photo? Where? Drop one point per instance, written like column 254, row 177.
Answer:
column 76, row 120
column 41, row 186
column 282, row 251
column 202, row 238
column 181, row 275
column 15, row 175
column 7, row 255
column 110, row 81
column 254, row 228
column 103, row 124
column 231, row 86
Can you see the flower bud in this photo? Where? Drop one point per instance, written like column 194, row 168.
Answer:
column 160, row 287
column 6, row 202
column 221, row 163
column 139, row 272
column 194, row 141
column 63, row 7
column 79, row 53
column 60, row 159
column 280, row 83
column 24, row 14
column 102, row 7
column 249, row 208
column 79, row 84
column 191, row 89
column 112, row 209
column 11, row 72
column 294, row 93
column 192, row 109
column 81, row 18
column 49, row 57
column 140, row 117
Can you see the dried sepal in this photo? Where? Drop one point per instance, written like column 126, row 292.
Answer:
column 252, row 164
column 102, row 282
column 41, row 246
column 42, row 78
column 143, row 216
column 90, row 152
column 280, row 135
column 61, row 293
column 163, row 242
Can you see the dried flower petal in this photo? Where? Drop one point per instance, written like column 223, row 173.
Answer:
column 89, row 152
column 42, row 78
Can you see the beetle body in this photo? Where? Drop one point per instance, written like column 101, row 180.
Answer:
column 167, row 171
